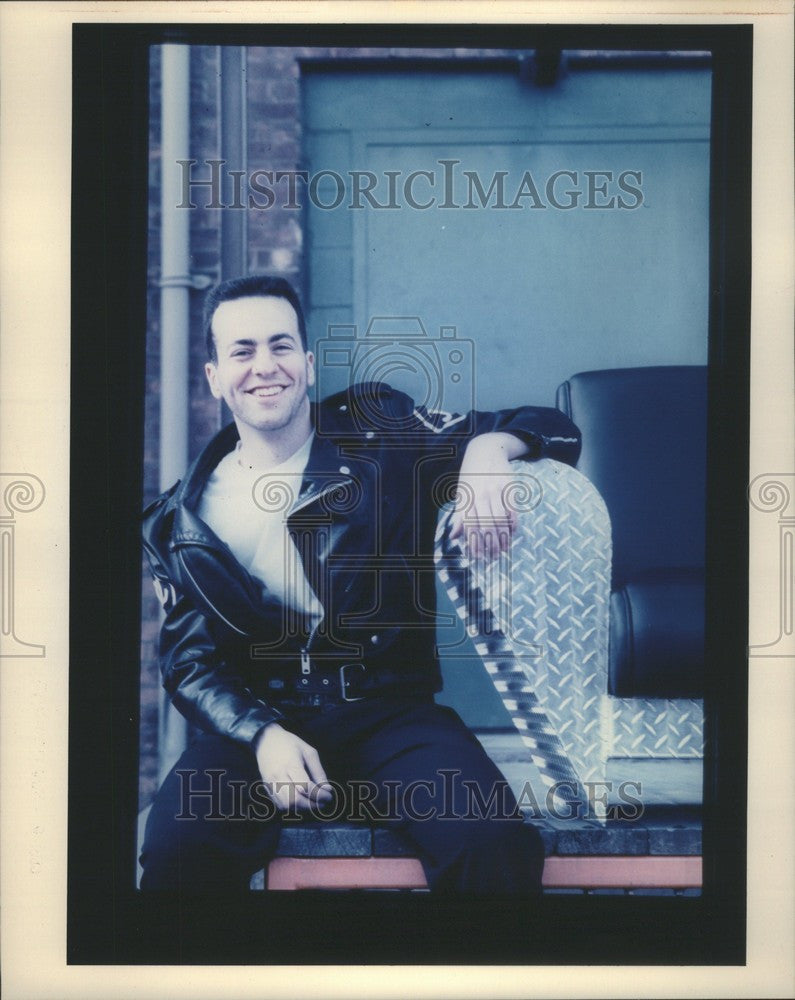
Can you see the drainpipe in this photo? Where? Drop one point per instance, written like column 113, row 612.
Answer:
column 234, row 153
column 175, row 284
column 175, row 281
column 232, row 102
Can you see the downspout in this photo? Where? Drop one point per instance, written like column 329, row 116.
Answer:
column 234, row 153
column 175, row 281
column 175, row 284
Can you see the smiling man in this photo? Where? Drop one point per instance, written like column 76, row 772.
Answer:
column 294, row 563
column 260, row 368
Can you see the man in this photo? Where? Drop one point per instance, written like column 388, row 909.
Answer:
column 294, row 565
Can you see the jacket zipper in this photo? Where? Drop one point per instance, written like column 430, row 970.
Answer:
column 306, row 666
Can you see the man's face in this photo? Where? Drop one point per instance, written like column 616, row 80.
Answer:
column 262, row 371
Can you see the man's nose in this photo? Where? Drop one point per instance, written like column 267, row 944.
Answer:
column 264, row 362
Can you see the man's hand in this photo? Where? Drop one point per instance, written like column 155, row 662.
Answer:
column 482, row 519
column 290, row 769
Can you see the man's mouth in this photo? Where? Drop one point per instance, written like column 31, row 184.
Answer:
column 264, row 391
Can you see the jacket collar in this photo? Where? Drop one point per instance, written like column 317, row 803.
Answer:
column 324, row 462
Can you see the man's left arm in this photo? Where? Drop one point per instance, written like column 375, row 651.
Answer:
column 486, row 519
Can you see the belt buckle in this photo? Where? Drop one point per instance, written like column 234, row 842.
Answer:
column 344, row 684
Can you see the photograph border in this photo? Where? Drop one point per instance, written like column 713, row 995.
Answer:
column 108, row 920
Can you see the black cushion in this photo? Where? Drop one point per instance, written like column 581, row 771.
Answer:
column 644, row 449
column 657, row 636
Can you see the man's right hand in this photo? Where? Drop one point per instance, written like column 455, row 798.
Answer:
column 290, row 769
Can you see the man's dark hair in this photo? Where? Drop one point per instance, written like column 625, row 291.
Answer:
column 252, row 285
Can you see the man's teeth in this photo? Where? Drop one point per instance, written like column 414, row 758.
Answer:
column 270, row 391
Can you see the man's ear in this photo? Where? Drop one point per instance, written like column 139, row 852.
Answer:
column 310, row 368
column 211, row 371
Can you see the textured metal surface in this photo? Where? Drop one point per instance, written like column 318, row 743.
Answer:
column 539, row 617
column 655, row 727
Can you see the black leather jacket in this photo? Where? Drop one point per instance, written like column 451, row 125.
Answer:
column 363, row 520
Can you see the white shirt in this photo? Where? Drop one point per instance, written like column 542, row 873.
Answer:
column 248, row 510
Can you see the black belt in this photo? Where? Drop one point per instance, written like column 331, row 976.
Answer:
column 348, row 683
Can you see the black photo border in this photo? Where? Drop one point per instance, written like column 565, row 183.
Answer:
column 108, row 920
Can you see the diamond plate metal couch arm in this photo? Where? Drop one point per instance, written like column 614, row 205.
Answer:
column 539, row 618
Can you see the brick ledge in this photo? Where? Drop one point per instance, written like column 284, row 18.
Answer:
column 597, row 872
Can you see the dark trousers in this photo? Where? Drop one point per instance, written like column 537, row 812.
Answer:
column 407, row 764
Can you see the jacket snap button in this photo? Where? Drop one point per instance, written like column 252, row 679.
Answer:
column 344, row 470
column 370, row 435
column 343, row 408
column 325, row 680
column 304, row 680
column 374, row 639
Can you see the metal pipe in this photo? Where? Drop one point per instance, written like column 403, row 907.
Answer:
column 174, row 265
column 234, row 153
column 175, row 287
